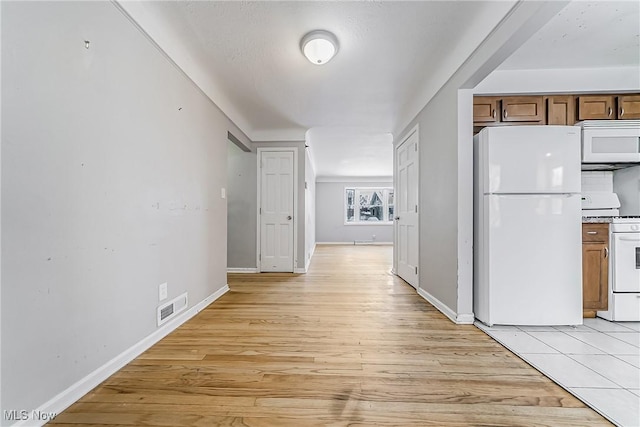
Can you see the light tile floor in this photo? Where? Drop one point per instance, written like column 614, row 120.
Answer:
column 598, row 362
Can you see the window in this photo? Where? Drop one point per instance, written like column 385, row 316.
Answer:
column 368, row 205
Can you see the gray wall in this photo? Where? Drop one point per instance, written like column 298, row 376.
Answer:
column 241, row 208
column 446, row 162
column 438, row 196
column 242, row 205
column 330, row 215
column 112, row 167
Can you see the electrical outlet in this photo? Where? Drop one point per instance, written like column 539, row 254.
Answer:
column 162, row 291
column 373, row 237
column 223, row 193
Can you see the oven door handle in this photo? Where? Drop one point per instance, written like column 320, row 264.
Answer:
column 629, row 239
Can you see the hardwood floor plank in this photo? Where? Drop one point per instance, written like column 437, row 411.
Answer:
column 347, row 344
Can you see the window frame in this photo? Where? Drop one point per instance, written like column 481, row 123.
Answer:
column 385, row 205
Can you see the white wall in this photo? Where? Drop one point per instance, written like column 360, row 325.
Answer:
column 330, row 227
column 575, row 80
column 241, row 208
column 112, row 167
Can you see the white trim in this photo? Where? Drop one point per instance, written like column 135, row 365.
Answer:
column 398, row 142
column 299, row 270
column 384, row 179
column 389, row 223
column 308, row 261
column 465, row 201
column 466, row 319
column 460, row 319
column 356, row 243
column 242, row 270
column 405, row 138
column 356, row 213
column 259, row 152
column 67, row 397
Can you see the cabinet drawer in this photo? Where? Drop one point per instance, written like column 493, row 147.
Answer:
column 625, row 307
column 595, row 232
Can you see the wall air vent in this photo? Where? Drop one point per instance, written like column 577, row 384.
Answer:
column 169, row 309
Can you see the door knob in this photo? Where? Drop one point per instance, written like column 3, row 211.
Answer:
column 397, row 218
column 289, row 217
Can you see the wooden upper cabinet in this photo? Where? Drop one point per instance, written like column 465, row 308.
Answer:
column 561, row 110
column 486, row 109
column 594, row 107
column 629, row 107
column 522, row 109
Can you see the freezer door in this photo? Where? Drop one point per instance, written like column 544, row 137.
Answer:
column 535, row 259
column 531, row 159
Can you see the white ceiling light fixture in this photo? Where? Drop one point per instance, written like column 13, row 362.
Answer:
column 319, row 46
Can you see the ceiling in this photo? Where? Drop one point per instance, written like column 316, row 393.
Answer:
column 393, row 56
column 584, row 35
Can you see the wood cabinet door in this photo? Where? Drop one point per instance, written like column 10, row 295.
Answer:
column 595, row 270
column 629, row 107
column 595, row 107
column 486, row 109
column 522, row 109
column 561, row 110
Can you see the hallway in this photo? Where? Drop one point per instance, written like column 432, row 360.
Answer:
column 347, row 343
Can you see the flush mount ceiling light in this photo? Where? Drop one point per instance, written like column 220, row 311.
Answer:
column 319, row 46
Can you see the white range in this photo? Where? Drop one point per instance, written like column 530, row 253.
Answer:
column 624, row 276
column 624, row 255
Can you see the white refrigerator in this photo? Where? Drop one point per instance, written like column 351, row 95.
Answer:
column 527, row 226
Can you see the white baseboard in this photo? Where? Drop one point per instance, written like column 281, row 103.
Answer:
column 300, row 270
column 460, row 319
column 352, row 243
column 243, row 270
column 465, row 319
column 72, row 394
column 313, row 250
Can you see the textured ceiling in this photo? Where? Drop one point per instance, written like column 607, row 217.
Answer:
column 393, row 56
column 388, row 52
column 584, row 35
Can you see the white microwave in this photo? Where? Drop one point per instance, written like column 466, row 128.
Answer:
column 610, row 141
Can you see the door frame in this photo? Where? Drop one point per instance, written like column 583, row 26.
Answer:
column 402, row 140
column 259, row 204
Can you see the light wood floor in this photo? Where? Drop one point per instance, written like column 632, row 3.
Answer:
column 347, row 344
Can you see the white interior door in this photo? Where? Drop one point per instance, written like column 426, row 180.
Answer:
column 406, row 218
column 276, row 211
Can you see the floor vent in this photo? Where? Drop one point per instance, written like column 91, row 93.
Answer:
column 168, row 310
